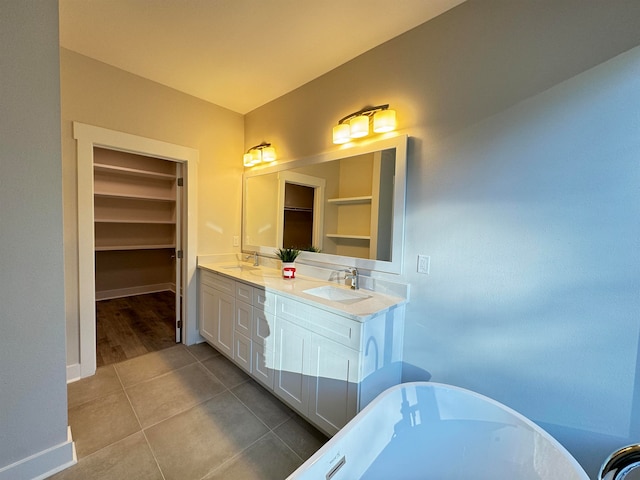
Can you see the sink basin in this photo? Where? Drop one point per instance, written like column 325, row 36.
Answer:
column 336, row 294
column 240, row 268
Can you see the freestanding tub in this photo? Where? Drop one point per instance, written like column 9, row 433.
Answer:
column 425, row 430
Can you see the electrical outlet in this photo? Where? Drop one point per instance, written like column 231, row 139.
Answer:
column 236, row 241
column 424, row 263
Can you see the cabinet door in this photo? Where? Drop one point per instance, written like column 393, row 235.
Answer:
column 225, row 308
column 263, row 324
column 208, row 317
column 263, row 341
column 217, row 313
column 242, row 352
column 293, row 346
column 262, row 364
column 244, row 318
column 333, row 387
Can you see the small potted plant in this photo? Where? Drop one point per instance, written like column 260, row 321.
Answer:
column 288, row 256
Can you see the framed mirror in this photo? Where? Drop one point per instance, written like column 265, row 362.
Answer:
column 344, row 207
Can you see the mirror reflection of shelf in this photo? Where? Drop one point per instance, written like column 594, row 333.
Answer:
column 351, row 200
column 350, row 237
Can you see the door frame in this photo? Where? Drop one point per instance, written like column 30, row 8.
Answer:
column 319, row 186
column 87, row 137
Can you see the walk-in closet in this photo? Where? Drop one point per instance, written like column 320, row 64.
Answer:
column 137, row 233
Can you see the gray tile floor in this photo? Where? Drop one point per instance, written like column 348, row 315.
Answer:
column 184, row 413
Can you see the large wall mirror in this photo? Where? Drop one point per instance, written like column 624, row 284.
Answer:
column 344, row 207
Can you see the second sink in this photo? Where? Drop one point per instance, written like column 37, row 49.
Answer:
column 336, row 294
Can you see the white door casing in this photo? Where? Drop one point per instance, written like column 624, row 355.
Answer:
column 88, row 137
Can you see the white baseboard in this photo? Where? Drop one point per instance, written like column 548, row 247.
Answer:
column 128, row 292
column 73, row 372
column 43, row 464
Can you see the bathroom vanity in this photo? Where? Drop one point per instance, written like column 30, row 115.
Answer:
column 323, row 349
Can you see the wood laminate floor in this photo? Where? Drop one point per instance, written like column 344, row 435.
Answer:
column 132, row 326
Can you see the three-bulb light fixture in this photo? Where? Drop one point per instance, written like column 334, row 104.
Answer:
column 356, row 124
column 263, row 153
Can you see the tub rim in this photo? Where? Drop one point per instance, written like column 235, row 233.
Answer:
column 344, row 431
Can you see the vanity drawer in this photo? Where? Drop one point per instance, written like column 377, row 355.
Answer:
column 244, row 318
column 218, row 282
column 335, row 327
column 244, row 292
column 264, row 300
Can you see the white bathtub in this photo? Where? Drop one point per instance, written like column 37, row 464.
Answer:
column 427, row 430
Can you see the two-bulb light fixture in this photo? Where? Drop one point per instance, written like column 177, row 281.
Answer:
column 356, row 124
column 263, row 153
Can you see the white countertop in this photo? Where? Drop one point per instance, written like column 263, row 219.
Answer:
column 271, row 280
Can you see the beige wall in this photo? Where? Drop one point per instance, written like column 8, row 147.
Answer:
column 98, row 94
column 523, row 190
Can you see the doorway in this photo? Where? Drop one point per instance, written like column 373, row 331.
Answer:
column 300, row 211
column 298, row 216
column 82, row 362
column 136, row 205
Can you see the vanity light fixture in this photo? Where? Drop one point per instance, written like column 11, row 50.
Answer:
column 259, row 154
column 356, row 124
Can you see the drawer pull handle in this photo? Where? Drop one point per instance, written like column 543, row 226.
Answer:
column 336, row 467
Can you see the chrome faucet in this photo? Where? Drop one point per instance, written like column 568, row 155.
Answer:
column 352, row 274
column 255, row 258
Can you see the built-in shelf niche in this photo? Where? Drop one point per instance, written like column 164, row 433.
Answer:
column 134, row 202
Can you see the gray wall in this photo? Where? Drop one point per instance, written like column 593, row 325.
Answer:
column 33, row 410
column 523, row 180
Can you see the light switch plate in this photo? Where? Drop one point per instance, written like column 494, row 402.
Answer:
column 236, row 241
column 424, row 263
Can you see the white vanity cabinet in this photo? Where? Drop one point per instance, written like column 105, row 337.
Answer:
column 237, row 319
column 316, row 376
column 328, row 366
column 324, row 365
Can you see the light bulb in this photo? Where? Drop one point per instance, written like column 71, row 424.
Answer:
column 256, row 156
column 384, row 121
column 268, row 154
column 341, row 133
column 359, row 126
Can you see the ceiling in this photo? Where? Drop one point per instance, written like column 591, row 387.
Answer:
column 239, row 54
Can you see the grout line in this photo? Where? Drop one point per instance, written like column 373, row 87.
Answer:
column 237, row 455
column 142, row 430
column 302, row 460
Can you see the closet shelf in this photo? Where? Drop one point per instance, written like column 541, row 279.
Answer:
column 298, row 209
column 153, row 198
column 348, row 236
column 111, row 248
column 132, row 172
column 351, row 200
column 131, row 221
